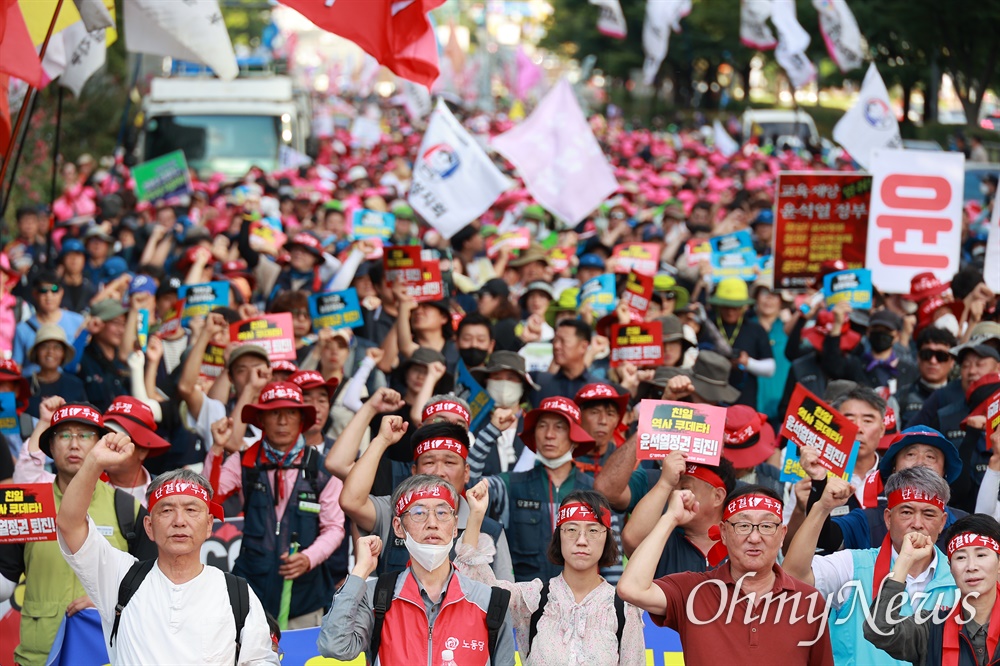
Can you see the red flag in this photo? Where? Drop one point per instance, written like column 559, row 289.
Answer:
column 395, row 32
column 17, row 52
column 5, row 128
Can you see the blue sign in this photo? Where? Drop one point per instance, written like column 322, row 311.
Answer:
column 142, row 329
column 8, row 414
column 468, row 389
column 335, row 309
column 200, row 299
column 599, row 293
column 373, row 224
column 734, row 242
column 791, row 469
column 853, row 286
column 733, row 256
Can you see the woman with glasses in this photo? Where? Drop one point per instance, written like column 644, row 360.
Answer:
column 574, row 618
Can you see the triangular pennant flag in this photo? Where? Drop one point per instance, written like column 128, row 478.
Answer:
column 870, row 123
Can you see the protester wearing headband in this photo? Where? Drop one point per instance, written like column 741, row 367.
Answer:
column 574, row 617
column 427, row 604
column 200, row 629
column 971, row 632
column 440, row 449
column 286, row 491
column 752, row 531
column 916, row 505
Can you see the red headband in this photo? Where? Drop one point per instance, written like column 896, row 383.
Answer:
column 705, row 474
column 434, row 492
column 446, row 406
column 188, row 488
column 446, row 443
column 753, row 503
column 902, row 495
column 578, row 511
column 972, row 540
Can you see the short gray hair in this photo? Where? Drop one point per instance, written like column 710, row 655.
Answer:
column 923, row 479
column 448, row 397
column 862, row 394
column 179, row 475
column 422, row 482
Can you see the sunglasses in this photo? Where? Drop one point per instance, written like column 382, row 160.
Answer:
column 49, row 288
column 937, row 354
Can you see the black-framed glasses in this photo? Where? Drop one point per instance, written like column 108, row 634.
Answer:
column 765, row 529
column 48, row 289
column 936, row 354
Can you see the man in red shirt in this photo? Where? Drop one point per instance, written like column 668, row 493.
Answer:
column 746, row 611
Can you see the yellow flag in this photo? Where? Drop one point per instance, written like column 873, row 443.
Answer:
column 38, row 16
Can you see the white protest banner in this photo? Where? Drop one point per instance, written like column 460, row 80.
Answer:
column 191, row 30
column 915, row 224
column 662, row 16
column 611, row 22
column 724, row 143
column 754, row 31
column 870, row 124
column 793, row 40
column 840, row 32
column 991, row 269
column 454, row 181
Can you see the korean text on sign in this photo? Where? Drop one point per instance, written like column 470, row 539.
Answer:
column 666, row 426
column 27, row 513
column 811, row 422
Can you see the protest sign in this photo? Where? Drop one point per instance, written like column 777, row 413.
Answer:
column 8, row 414
column 811, row 422
column 373, row 224
column 163, row 177
column 480, row 402
column 992, row 417
column 599, row 293
column 142, row 329
column 734, row 242
column 273, row 332
column 172, row 321
column 517, row 239
column 666, row 426
column 818, row 217
column 638, row 292
column 266, row 237
column 916, row 217
column 742, row 264
column 853, row 286
column 200, row 299
column 402, row 264
column 638, row 343
column 636, row 258
column 559, row 259
column 537, row 356
column 697, row 248
column 335, row 309
column 213, row 361
column 27, row 513
column 430, row 287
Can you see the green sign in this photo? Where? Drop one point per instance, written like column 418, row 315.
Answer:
column 161, row 178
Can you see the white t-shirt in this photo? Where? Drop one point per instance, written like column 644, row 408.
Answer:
column 165, row 623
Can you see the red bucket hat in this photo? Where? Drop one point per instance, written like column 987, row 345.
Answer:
column 849, row 338
column 279, row 395
column 925, row 285
column 137, row 420
column 566, row 409
column 82, row 413
column 10, row 371
column 310, row 379
column 927, row 310
column 307, row 242
column 749, row 439
column 600, row 392
column 284, row 366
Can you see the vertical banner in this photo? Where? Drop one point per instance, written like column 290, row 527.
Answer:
column 480, row 402
column 142, row 329
column 819, row 217
column 915, row 224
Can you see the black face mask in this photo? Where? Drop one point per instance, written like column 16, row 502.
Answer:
column 473, row 358
column 880, row 341
column 699, row 228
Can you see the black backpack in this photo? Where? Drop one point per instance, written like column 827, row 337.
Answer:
column 386, row 586
column 537, row 615
column 239, row 598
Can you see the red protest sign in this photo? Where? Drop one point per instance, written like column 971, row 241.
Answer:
column 638, row 343
column 992, row 417
column 811, row 422
column 821, row 216
column 518, row 239
column 273, row 332
column 402, row 264
column 666, row 426
column 636, row 257
column 172, row 322
column 638, row 292
column 27, row 513
column 430, row 287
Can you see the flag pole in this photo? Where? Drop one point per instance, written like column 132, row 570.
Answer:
column 23, row 118
column 55, row 167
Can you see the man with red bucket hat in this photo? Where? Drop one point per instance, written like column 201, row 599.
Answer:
column 287, row 499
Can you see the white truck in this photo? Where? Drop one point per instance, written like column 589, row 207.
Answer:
column 225, row 127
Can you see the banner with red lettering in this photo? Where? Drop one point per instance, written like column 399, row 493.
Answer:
column 430, row 287
column 27, row 513
column 811, row 422
column 666, row 426
column 915, row 224
column 638, row 343
column 273, row 332
column 819, row 216
column 402, row 264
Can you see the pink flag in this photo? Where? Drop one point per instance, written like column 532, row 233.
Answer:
column 556, row 153
column 528, row 74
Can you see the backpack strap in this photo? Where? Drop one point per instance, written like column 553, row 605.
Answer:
column 239, row 599
column 495, row 614
column 620, row 613
column 130, row 583
column 125, row 511
column 537, row 615
column 310, row 468
column 384, row 590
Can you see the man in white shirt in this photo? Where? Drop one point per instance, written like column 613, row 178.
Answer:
column 180, row 612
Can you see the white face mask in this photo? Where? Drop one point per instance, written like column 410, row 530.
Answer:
column 948, row 322
column 555, row 463
column 505, row 392
column 428, row 555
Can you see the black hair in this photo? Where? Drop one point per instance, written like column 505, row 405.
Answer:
column 272, row 625
column 976, row 523
column 597, row 503
column 47, row 277
column 475, row 319
column 965, row 281
column 935, row 335
column 376, row 272
column 231, row 316
column 583, row 331
column 25, row 211
column 463, row 235
column 155, row 272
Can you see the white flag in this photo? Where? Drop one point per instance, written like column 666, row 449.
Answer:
column 289, row 158
column 724, row 143
column 841, row 33
column 754, row 31
column 190, row 30
column 454, row 181
column 611, row 22
column 94, row 14
column 793, row 40
column 74, row 55
column 870, row 123
column 662, row 16
column 991, row 269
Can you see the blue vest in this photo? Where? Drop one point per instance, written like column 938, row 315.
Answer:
column 264, row 539
column 846, row 636
column 396, row 557
column 530, row 500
